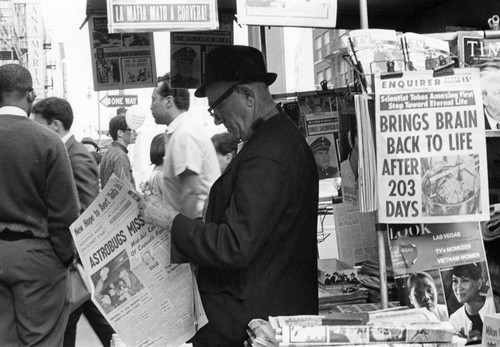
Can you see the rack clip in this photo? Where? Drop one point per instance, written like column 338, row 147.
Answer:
column 390, row 71
column 445, row 67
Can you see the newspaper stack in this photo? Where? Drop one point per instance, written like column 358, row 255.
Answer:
column 413, row 328
column 367, row 161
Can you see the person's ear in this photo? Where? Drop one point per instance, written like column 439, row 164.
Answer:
column 55, row 125
column 31, row 96
column 248, row 94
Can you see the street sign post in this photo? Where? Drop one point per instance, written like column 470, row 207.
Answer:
column 119, row 100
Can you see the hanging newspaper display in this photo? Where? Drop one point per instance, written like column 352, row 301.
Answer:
column 431, row 148
column 121, row 61
column 161, row 15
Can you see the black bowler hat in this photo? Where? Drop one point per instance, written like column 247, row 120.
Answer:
column 234, row 63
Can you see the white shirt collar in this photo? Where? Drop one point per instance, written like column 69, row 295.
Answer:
column 13, row 110
column 177, row 122
column 493, row 122
column 66, row 137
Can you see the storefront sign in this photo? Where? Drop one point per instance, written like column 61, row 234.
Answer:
column 161, row 15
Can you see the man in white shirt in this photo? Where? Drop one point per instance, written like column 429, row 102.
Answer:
column 190, row 165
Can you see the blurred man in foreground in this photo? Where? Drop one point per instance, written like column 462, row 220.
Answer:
column 39, row 203
column 57, row 114
column 256, row 249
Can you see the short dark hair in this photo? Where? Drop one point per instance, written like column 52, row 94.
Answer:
column 157, row 149
column 55, row 108
column 117, row 123
column 15, row 78
column 414, row 277
column 181, row 96
column 471, row 270
column 225, row 143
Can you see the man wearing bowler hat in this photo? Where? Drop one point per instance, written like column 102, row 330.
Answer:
column 184, row 66
column 256, row 247
column 321, row 150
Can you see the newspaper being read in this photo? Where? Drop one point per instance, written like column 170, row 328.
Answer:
column 145, row 298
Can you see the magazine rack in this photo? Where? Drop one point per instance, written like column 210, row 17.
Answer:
column 445, row 68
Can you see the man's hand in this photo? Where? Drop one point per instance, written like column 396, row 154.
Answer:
column 157, row 212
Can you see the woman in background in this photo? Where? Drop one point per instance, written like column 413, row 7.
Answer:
column 422, row 292
column 156, row 153
column 467, row 284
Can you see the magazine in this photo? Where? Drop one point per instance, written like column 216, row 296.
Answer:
column 373, row 49
column 481, row 49
column 429, row 262
column 422, row 52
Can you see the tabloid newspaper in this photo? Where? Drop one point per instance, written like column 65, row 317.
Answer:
column 431, row 148
column 427, row 259
column 145, row 298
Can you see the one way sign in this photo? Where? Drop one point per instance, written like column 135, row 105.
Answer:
column 119, row 100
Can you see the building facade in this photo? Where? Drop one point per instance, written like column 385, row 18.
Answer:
column 329, row 64
column 24, row 41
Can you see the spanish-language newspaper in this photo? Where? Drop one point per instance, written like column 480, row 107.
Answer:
column 145, row 298
column 441, row 267
column 431, row 148
column 121, row 61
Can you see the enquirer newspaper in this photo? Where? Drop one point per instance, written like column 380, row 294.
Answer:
column 145, row 298
column 431, row 148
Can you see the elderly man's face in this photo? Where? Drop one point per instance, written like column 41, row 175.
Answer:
column 233, row 111
column 491, row 99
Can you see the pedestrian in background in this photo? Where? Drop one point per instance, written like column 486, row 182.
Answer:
column 116, row 159
column 226, row 147
column 155, row 183
column 257, row 247
column 190, row 165
column 56, row 114
column 39, row 203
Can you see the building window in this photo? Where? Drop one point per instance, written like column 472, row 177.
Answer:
column 319, row 76
column 328, row 74
column 326, row 38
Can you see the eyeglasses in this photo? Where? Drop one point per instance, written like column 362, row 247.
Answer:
column 223, row 97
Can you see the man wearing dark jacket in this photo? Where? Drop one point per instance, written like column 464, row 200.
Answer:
column 39, row 203
column 256, row 248
column 57, row 114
